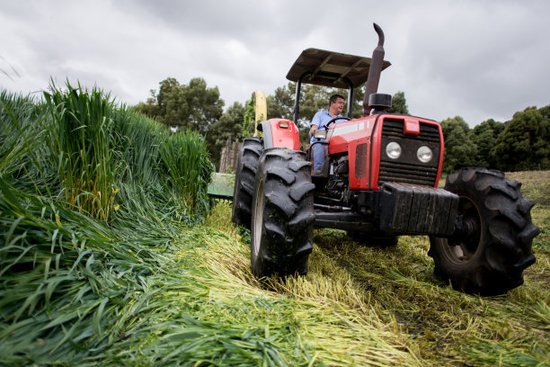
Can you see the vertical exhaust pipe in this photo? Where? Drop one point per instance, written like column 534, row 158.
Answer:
column 377, row 62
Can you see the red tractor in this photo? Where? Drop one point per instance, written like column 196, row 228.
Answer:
column 379, row 181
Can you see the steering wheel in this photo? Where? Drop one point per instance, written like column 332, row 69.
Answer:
column 335, row 119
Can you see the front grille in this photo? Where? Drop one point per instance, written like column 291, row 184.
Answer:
column 407, row 173
column 428, row 133
column 407, row 168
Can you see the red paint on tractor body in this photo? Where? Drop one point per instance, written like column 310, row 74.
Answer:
column 284, row 134
column 347, row 137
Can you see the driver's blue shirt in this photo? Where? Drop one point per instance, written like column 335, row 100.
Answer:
column 320, row 119
column 319, row 151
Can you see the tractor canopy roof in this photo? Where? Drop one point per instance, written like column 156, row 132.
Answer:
column 331, row 69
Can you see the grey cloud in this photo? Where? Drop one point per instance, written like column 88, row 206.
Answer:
column 468, row 58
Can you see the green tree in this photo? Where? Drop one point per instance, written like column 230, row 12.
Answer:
column 484, row 137
column 545, row 111
column 280, row 104
column 150, row 107
column 193, row 106
column 228, row 128
column 249, row 117
column 172, row 104
column 460, row 150
column 357, row 103
column 523, row 145
column 312, row 99
column 399, row 104
column 204, row 105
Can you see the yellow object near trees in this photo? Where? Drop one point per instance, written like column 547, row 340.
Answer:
column 260, row 109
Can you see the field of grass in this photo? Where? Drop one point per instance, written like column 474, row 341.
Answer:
column 370, row 306
column 121, row 267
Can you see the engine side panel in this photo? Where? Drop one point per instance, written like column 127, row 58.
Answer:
column 355, row 138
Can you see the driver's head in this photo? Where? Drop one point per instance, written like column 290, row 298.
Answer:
column 336, row 104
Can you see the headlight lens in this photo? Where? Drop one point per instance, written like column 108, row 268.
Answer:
column 393, row 150
column 424, row 154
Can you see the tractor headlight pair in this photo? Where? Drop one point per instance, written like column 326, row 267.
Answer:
column 424, row 153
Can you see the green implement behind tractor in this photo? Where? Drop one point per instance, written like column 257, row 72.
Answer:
column 221, row 186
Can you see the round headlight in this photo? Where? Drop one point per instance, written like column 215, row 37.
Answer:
column 424, row 154
column 393, row 150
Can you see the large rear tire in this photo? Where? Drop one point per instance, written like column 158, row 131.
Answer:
column 282, row 215
column 492, row 242
column 243, row 192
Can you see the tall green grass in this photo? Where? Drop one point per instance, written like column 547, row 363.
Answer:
column 96, row 145
column 88, row 212
column 81, row 144
column 186, row 160
column 22, row 141
column 138, row 139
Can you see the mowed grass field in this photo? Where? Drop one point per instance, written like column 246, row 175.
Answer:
column 371, row 306
column 111, row 255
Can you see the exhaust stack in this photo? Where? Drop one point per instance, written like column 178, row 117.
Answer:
column 377, row 62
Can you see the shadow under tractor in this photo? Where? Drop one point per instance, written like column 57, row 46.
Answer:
column 379, row 181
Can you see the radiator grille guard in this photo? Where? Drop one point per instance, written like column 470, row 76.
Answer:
column 407, row 168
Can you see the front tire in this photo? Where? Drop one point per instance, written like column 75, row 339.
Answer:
column 492, row 242
column 245, row 178
column 282, row 215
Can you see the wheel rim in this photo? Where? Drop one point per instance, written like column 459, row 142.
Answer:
column 257, row 220
column 462, row 248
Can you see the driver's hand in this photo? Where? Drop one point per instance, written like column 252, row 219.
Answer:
column 313, row 130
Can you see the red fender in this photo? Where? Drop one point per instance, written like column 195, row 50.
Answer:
column 281, row 133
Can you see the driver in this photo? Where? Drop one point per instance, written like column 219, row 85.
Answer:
column 336, row 105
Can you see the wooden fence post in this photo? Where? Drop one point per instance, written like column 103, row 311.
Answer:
column 229, row 156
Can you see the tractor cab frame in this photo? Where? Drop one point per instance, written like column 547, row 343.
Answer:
column 339, row 70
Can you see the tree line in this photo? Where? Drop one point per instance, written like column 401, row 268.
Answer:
column 522, row 143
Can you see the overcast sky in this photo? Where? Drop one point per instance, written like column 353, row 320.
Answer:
column 477, row 59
